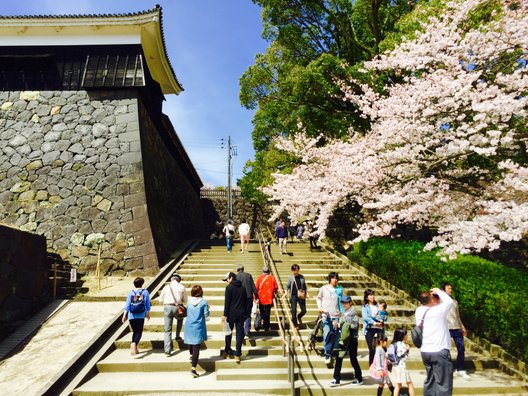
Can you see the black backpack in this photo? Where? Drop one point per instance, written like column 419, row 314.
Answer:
column 137, row 303
column 392, row 356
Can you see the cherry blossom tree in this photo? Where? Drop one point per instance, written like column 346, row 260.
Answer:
column 447, row 144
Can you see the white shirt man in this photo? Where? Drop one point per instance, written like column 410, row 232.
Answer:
column 171, row 296
column 436, row 342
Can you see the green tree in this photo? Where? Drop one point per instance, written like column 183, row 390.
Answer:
column 313, row 45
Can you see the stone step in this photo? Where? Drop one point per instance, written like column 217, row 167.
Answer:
column 154, row 360
column 490, row 383
column 128, row 383
column 268, row 341
column 472, row 361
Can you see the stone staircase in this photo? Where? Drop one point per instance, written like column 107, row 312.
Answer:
column 264, row 369
column 313, row 375
column 151, row 372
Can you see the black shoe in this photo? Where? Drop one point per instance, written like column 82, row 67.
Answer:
column 178, row 338
column 194, row 374
column 226, row 355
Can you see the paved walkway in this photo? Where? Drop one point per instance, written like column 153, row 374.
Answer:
column 58, row 336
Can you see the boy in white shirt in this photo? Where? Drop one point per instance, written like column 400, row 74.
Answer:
column 243, row 231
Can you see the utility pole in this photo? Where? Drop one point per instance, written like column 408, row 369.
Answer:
column 231, row 152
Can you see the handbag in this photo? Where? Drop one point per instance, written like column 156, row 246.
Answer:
column 416, row 332
column 301, row 294
column 374, row 372
column 182, row 311
column 257, row 324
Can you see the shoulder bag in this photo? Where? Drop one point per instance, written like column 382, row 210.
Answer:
column 301, row 294
column 182, row 311
column 416, row 332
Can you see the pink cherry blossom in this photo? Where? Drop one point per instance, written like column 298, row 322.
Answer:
column 444, row 150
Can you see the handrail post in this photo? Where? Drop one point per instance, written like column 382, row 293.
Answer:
column 291, row 366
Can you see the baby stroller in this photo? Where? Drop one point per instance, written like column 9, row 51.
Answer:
column 316, row 335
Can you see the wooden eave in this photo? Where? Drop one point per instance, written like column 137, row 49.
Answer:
column 75, row 30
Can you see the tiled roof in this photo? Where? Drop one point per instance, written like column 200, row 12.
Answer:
column 156, row 9
column 79, row 16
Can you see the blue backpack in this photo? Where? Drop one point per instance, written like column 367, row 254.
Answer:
column 137, row 303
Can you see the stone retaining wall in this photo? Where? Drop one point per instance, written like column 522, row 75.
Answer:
column 215, row 209
column 24, row 286
column 71, row 169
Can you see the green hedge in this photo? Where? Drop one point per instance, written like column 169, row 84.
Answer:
column 492, row 297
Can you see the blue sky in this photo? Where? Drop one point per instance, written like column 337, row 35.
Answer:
column 210, row 44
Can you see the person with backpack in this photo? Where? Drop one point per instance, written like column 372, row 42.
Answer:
column 137, row 308
column 229, row 231
column 397, row 354
column 348, row 343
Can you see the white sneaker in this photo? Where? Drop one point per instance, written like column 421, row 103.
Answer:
column 334, row 383
column 463, row 374
column 356, row 382
column 328, row 359
column 133, row 350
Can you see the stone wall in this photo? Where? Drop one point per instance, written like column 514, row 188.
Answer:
column 215, row 209
column 24, row 286
column 71, row 170
column 173, row 196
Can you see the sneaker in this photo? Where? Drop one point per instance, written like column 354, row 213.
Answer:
column 133, row 349
column 246, row 337
column 356, row 382
column 178, row 338
column 226, row 355
column 334, row 382
column 168, row 354
column 194, row 374
column 463, row 374
column 237, row 359
column 328, row 359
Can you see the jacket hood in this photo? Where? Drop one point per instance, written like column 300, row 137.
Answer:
column 195, row 300
column 236, row 283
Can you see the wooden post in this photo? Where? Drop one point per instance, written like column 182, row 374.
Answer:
column 54, row 281
column 98, row 269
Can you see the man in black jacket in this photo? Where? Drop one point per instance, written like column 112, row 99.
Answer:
column 251, row 293
column 234, row 314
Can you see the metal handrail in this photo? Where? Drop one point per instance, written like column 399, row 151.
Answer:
column 271, row 264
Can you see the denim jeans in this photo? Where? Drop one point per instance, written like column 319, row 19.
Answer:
column 169, row 314
column 329, row 336
column 137, row 329
column 458, row 337
column 229, row 242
